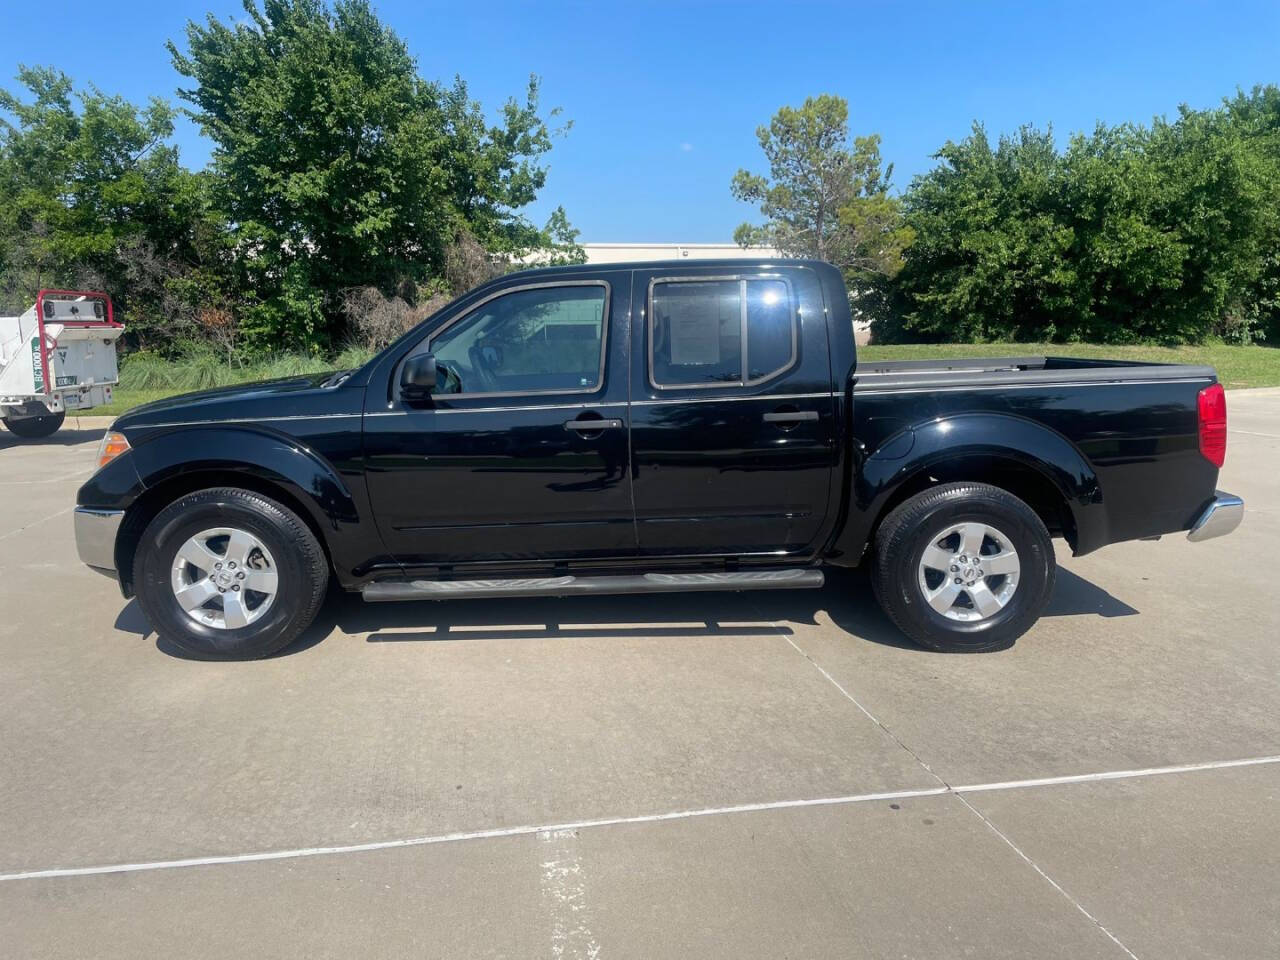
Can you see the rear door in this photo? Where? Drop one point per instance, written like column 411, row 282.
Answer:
column 520, row 457
column 732, row 414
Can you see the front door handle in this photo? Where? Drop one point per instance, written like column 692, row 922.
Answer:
column 592, row 426
column 790, row 416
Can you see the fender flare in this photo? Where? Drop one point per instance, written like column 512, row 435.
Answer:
column 265, row 456
column 903, row 457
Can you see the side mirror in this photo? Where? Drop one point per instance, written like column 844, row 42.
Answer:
column 418, row 377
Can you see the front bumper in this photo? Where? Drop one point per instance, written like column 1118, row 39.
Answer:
column 96, row 537
column 1222, row 515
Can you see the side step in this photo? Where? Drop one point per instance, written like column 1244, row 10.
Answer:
column 566, row 586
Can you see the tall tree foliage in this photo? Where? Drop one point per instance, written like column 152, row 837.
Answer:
column 340, row 167
column 825, row 197
column 1169, row 232
column 92, row 194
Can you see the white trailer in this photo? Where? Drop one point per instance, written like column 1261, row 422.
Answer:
column 60, row 355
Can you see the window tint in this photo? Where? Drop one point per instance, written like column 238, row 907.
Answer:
column 697, row 332
column 770, row 326
column 546, row 339
column 697, row 327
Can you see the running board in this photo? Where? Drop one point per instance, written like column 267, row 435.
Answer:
column 566, row 586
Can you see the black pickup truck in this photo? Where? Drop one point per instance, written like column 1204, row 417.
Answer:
column 647, row 428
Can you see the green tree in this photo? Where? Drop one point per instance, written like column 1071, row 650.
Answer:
column 92, row 194
column 987, row 245
column 1164, row 233
column 825, row 197
column 340, row 167
column 89, row 185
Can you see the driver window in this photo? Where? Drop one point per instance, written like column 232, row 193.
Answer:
column 539, row 340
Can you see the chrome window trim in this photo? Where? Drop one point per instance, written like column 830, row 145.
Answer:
column 507, row 291
column 741, row 279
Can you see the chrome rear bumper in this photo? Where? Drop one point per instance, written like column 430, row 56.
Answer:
column 96, row 537
column 1220, row 517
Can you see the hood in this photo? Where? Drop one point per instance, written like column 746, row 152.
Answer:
column 291, row 396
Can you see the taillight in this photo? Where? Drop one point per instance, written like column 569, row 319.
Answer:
column 1212, row 408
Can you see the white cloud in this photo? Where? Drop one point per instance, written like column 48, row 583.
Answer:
column 687, row 147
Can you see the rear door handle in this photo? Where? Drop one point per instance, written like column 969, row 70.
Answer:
column 790, row 416
column 592, row 426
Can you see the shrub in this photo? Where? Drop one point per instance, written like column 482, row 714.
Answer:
column 145, row 371
column 377, row 320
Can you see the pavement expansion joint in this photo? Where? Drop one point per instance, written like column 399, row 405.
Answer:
column 959, row 792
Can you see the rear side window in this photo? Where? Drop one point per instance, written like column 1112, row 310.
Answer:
column 705, row 333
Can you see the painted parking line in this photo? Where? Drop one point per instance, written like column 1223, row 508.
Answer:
column 36, row 523
column 496, row 833
column 1115, row 775
column 82, row 474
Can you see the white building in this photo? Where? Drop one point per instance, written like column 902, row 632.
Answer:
column 628, row 252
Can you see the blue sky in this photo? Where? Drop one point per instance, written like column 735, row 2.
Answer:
column 665, row 98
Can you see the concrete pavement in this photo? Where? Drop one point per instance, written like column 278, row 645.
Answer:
column 470, row 746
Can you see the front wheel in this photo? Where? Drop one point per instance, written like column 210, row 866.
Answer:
column 228, row 574
column 33, row 428
column 964, row 567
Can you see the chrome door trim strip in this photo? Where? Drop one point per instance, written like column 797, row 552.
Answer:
column 216, row 423
column 826, row 395
column 666, row 401
column 519, row 407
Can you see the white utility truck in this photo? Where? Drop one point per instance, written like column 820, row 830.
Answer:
column 60, row 355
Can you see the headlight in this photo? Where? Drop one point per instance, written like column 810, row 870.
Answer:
column 113, row 444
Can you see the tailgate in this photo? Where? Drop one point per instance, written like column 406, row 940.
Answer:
column 82, row 355
column 77, row 334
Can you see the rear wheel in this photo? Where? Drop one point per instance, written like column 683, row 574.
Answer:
column 964, row 567
column 32, row 428
column 229, row 574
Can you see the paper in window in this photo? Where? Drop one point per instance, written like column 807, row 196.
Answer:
column 695, row 331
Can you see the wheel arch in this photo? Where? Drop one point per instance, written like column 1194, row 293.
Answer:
column 276, row 467
column 1025, row 458
column 154, row 499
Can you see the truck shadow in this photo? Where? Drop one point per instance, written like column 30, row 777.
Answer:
column 1074, row 596
column 846, row 602
column 66, row 437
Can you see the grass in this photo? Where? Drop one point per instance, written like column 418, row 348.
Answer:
column 146, row 377
column 1237, row 366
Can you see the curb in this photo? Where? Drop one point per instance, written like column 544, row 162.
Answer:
column 1254, row 392
column 89, row 423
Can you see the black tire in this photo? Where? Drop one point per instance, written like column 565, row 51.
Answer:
column 909, row 529
column 32, row 428
column 301, row 566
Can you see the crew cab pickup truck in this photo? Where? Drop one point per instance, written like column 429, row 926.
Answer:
column 647, row 428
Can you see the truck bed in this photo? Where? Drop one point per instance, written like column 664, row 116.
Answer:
column 941, row 374
column 1131, row 427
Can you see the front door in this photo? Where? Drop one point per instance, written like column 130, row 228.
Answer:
column 732, row 417
column 520, row 457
